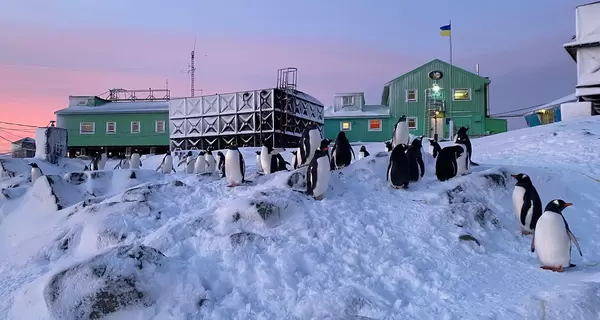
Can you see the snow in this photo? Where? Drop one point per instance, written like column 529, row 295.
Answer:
column 264, row 251
column 118, row 107
column 367, row 111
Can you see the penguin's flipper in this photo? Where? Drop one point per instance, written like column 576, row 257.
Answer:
column 574, row 240
column 158, row 168
column 474, row 164
column 525, row 208
column 532, row 243
column 421, row 165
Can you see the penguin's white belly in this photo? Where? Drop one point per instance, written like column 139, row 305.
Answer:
column 232, row 167
column 259, row 167
column 200, row 165
column 552, row 243
column 361, row 155
column 323, row 177
column 189, row 166
column 210, row 163
column 265, row 158
column 401, row 134
column 135, row 161
column 314, row 137
column 517, row 199
column 431, row 149
column 462, row 163
column 35, row 174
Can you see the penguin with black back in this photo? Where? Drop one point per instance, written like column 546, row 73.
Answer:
column 268, row 158
column 363, row 153
column 415, row 160
column 446, row 165
column 434, row 148
column 294, row 159
column 309, row 143
column 280, row 163
column 463, row 160
column 526, row 203
column 552, row 238
column 94, row 165
column 36, row 172
column 235, row 166
column 400, row 133
column 221, row 164
column 388, row 146
column 398, row 171
column 318, row 175
column 342, row 152
column 461, row 135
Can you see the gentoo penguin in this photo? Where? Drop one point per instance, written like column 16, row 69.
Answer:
column 398, row 170
column 294, row 159
column 461, row 135
column 552, row 238
column 135, row 162
column 526, row 203
column 221, row 165
column 309, row 143
column 189, row 163
column 94, row 165
column 400, row 133
column 234, row 166
column 445, row 164
column 166, row 166
column 434, row 148
column 103, row 160
column 388, row 146
column 268, row 161
column 124, row 164
column 211, row 163
column 415, row 160
column 200, row 165
column 342, row 152
column 258, row 162
column 362, row 153
column 280, row 163
column 462, row 161
column 36, row 172
column 318, row 175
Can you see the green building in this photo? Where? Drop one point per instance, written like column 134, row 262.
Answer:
column 431, row 96
column 118, row 127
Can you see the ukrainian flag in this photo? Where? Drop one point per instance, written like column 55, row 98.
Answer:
column 446, row 31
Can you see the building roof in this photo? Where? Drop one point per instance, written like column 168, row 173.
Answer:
column 441, row 61
column 569, row 98
column 368, row 111
column 119, row 107
column 24, row 140
column 590, row 41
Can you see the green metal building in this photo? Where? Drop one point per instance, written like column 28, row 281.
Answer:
column 431, row 96
column 95, row 125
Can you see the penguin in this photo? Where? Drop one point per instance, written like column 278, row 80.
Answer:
column 309, row 143
column 200, row 165
column 362, row 153
column 462, row 161
column 415, row 160
column 324, row 146
column 124, row 164
column 36, row 172
column 318, row 175
column 94, row 165
column 294, row 159
column 221, row 165
column 234, row 166
column 461, row 135
column 398, row 170
column 552, row 238
column 388, row 146
column 103, row 160
column 211, row 163
column 258, row 163
column 280, row 163
column 445, row 164
column 166, row 166
column 434, row 148
column 135, row 162
column 526, row 203
column 342, row 152
column 189, row 163
column 400, row 133
column 268, row 160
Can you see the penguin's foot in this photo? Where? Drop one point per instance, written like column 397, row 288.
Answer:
column 319, row 197
column 525, row 233
column 555, row 269
column 233, row 185
column 571, row 265
column 405, row 186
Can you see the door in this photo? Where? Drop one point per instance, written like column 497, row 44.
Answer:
column 437, row 128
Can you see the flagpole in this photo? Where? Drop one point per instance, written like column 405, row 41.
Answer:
column 449, row 114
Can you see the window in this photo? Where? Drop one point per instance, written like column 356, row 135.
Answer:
column 87, row 127
column 345, row 126
column 159, row 126
column 412, row 123
column 411, row 95
column 375, row 125
column 462, row 94
column 348, row 101
column 111, row 127
column 135, row 127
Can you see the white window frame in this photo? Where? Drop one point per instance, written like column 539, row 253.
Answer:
column 416, row 99
column 350, row 99
column 342, row 126
column 139, row 123
column 81, row 124
column 164, row 125
column 114, row 123
column 416, row 127
column 380, row 125
column 454, row 94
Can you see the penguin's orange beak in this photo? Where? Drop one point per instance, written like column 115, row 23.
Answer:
column 568, row 204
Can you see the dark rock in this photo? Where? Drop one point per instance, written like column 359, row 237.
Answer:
column 76, row 178
column 267, row 211
column 297, row 180
column 95, row 175
column 178, row 183
column 114, row 280
column 468, row 237
column 139, row 194
column 497, row 179
column 238, row 239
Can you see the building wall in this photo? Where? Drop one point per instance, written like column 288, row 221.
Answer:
column 359, row 129
column 123, row 136
column 493, row 125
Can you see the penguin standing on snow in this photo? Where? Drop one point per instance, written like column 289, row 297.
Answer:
column 552, row 238
column 258, row 162
column 294, row 159
column 526, row 203
column 362, row 153
column 211, row 163
column 398, row 171
column 461, row 135
column 342, row 152
column 268, row 159
column 400, row 133
column 434, row 148
column 221, row 165
column 416, row 165
column 36, row 172
column 166, row 166
column 446, row 165
column 309, row 143
column 280, row 163
column 95, row 164
column 103, row 160
column 463, row 160
column 234, row 166
column 200, row 165
column 318, row 175
column 388, row 146
column 189, row 163
column 135, row 162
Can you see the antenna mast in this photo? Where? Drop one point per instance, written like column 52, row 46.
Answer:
column 192, row 69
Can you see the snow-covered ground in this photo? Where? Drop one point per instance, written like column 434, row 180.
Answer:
column 265, row 251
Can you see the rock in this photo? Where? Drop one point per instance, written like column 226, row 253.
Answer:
column 178, row 183
column 13, row 193
column 297, row 180
column 13, row 167
column 268, row 212
column 497, row 179
column 115, row 280
column 76, row 178
column 238, row 239
column 468, row 237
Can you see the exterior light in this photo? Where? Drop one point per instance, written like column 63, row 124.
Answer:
column 436, row 88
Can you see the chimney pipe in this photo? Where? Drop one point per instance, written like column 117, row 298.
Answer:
column 477, row 68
